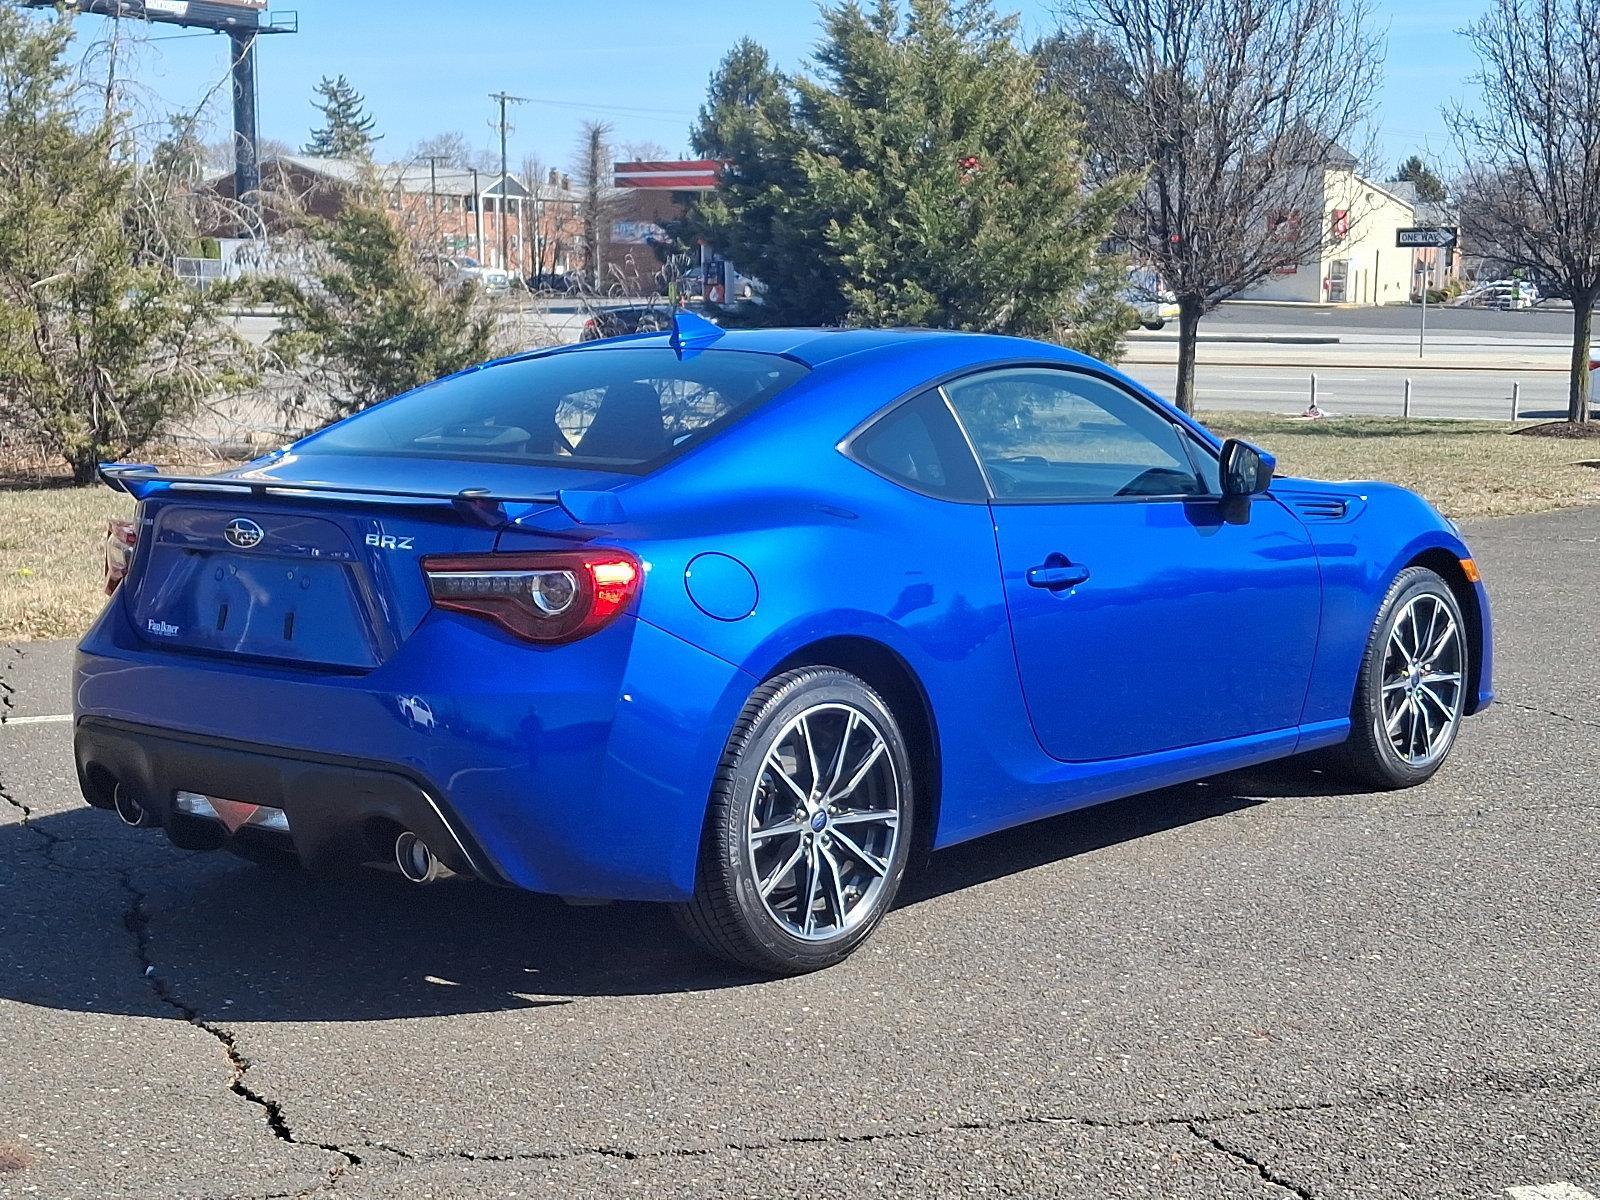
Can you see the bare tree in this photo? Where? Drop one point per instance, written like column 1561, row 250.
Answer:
column 645, row 150
column 1233, row 110
column 449, row 149
column 597, row 197
column 1530, row 194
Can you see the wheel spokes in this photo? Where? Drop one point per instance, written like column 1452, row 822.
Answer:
column 771, row 881
column 781, row 829
column 1422, row 673
column 821, row 842
column 860, row 773
column 876, row 816
column 874, row 864
column 839, row 754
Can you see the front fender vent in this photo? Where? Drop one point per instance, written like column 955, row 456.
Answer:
column 1320, row 508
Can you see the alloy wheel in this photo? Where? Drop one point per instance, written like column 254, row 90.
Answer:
column 1423, row 666
column 824, row 821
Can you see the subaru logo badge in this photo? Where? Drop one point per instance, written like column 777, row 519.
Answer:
column 243, row 533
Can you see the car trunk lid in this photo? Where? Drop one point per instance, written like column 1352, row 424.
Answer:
column 309, row 566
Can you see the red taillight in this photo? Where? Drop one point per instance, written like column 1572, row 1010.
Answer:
column 549, row 596
column 121, row 539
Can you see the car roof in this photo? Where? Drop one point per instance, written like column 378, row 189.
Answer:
column 819, row 347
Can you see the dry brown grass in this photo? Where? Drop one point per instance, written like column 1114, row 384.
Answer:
column 1467, row 468
column 51, row 554
column 51, row 538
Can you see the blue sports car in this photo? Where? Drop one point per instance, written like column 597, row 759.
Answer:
column 743, row 621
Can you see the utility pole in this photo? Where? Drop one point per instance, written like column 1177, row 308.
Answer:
column 433, row 194
column 505, row 239
column 477, row 213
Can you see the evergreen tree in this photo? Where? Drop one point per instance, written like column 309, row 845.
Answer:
column 741, row 86
column 372, row 322
column 102, row 347
column 1430, row 188
column 924, row 177
column 181, row 155
column 346, row 126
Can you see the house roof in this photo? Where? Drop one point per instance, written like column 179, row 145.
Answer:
column 410, row 177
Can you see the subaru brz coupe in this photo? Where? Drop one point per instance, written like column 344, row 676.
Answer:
column 745, row 621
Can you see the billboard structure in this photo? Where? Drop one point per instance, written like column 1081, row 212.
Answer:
column 242, row 21
column 223, row 16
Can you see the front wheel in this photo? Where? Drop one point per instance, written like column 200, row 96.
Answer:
column 809, row 827
column 1411, row 692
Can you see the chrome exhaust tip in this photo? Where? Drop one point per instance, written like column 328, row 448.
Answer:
column 129, row 810
column 416, row 859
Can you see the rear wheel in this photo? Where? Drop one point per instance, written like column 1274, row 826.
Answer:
column 809, row 826
column 1411, row 692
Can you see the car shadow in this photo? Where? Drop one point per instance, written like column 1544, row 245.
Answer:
column 238, row 942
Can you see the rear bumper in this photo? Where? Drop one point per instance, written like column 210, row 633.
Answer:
column 340, row 811
column 582, row 771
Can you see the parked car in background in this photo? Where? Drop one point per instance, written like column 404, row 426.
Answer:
column 558, row 283
column 1507, row 294
column 626, row 318
column 694, row 282
column 470, row 270
column 1151, row 299
column 744, row 621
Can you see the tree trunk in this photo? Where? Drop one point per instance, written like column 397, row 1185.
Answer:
column 1189, row 312
column 1582, row 331
column 85, row 469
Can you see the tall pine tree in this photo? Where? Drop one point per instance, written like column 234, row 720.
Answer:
column 1430, row 188
column 102, row 347
column 346, row 126
column 372, row 322
column 923, row 177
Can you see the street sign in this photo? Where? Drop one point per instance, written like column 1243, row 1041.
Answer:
column 1426, row 237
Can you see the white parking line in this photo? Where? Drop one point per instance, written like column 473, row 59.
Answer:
column 1549, row 1191
column 53, row 719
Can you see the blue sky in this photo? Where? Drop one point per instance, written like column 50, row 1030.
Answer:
column 428, row 67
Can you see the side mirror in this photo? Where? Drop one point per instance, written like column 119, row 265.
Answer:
column 1246, row 469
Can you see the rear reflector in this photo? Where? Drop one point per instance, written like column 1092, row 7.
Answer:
column 553, row 596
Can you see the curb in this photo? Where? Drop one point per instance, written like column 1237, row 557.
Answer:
column 1262, row 339
column 1412, row 365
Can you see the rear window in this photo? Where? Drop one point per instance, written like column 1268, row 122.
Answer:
column 612, row 409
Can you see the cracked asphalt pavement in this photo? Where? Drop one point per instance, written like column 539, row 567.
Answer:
column 1254, row 986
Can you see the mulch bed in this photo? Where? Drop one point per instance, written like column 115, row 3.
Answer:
column 1562, row 429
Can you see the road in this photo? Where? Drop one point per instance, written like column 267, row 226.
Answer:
column 1256, row 986
column 1263, row 357
column 1255, row 357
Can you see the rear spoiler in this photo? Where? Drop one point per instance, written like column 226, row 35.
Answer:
column 479, row 504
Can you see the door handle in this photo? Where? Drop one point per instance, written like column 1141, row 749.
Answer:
column 1056, row 575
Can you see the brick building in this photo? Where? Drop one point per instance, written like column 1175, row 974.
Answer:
column 456, row 210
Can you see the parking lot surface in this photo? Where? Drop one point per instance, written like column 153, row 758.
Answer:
column 1254, row 986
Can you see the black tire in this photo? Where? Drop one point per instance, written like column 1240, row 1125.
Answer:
column 1370, row 756
column 728, row 915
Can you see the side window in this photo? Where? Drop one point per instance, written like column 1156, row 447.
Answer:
column 1061, row 435
column 919, row 444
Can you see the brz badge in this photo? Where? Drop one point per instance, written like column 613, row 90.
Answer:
column 388, row 541
column 243, row 533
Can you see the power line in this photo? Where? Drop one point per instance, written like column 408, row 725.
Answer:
column 621, row 110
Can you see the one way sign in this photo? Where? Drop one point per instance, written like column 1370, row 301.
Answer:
column 1426, row 236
